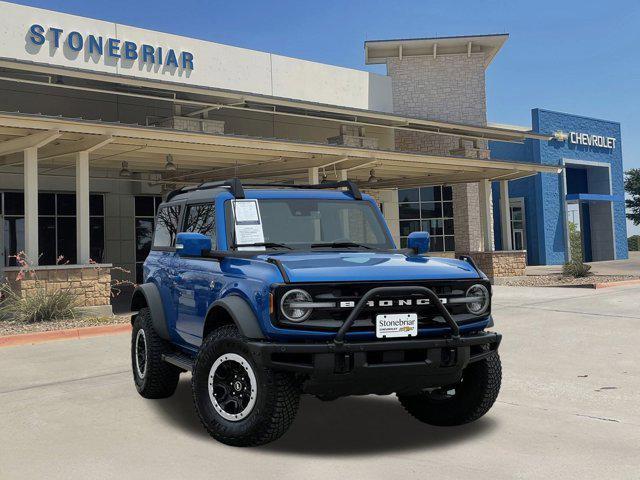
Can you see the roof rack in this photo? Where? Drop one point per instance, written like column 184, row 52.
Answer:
column 234, row 184
column 237, row 190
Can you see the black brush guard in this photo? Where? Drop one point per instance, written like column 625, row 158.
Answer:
column 337, row 368
column 376, row 292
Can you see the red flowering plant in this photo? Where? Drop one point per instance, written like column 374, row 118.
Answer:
column 37, row 303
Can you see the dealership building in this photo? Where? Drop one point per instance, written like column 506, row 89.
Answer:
column 99, row 120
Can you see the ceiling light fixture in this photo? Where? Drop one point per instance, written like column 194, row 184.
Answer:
column 124, row 171
column 169, row 165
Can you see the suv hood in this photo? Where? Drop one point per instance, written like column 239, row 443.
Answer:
column 371, row 266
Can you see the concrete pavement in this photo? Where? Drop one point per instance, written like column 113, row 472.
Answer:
column 568, row 408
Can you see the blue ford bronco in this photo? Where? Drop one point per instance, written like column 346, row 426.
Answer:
column 274, row 291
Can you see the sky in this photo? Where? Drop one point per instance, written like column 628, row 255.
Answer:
column 572, row 56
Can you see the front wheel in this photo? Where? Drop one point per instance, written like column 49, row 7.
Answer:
column 462, row 403
column 239, row 403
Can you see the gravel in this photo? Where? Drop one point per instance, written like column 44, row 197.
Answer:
column 8, row 327
column 562, row 281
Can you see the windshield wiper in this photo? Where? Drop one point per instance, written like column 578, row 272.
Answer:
column 340, row 245
column 265, row 244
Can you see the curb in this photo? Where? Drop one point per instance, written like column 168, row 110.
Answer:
column 53, row 335
column 615, row 284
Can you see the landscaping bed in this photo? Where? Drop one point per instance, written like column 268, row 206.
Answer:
column 557, row 280
column 8, row 327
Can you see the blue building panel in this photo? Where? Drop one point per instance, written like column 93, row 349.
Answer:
column 592, row 147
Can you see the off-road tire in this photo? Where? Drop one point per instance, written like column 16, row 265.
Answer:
column 159, row 379
column 474, row 396
column 277, row 394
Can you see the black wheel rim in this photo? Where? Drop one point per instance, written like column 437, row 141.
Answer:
column 232, row 387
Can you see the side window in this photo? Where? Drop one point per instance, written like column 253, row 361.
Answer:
column 167, row 226
column 201, row 218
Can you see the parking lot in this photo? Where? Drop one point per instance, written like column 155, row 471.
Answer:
column 568, row 408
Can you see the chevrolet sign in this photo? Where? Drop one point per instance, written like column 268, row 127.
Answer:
column 592, row 140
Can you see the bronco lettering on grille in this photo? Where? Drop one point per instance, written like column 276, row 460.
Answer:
column 407, row 302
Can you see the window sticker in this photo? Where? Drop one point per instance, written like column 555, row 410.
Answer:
column 248, row 224
column 247, row 211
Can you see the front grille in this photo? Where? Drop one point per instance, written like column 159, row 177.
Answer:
column 348, row 294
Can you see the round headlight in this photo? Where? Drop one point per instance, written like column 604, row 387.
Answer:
column 478, row 299
column 293, row 306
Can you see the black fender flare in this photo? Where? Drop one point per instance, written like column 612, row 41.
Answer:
column 241, row 314
column 149, row 295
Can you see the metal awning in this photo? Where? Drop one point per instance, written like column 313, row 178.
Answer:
column 201, row 156
column 196, row 100
column 593, row 197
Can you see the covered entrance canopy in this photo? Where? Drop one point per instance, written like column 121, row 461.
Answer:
column 214, row 157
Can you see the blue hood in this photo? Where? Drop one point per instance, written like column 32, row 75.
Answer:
column 371, row 266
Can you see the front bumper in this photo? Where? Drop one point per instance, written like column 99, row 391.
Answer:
column 381, row 367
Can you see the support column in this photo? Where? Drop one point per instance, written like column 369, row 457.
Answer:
column 342, row 175
column 31, row 248
column 466, row 217
column 505, row 215
column 314, row 176
column 486, row 217
column 82, row 208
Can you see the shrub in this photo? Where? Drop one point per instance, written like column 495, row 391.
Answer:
column 38, row 306
column 576, row 269
column 575, row 242
column 634, row 243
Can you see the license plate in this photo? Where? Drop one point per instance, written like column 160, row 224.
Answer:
column 397, row 325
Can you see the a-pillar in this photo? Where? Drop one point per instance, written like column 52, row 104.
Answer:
column 486, row 217
column 82, row 208
column 31, row 248
column 505, row 215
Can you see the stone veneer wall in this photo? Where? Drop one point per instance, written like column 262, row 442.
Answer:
column 91, row 284
column 509, row 263
column 448, row 88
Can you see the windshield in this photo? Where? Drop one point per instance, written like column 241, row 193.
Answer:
column 302, row 223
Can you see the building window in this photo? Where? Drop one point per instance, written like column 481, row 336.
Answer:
column 56, row 227
column 146, row 208
column 428, row 209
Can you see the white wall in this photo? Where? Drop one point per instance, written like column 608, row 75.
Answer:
column 215, row 65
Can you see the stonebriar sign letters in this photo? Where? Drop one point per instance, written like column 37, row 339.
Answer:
column 114, row 48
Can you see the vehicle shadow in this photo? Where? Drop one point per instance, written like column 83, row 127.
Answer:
column 348, row 426
column 179, row 410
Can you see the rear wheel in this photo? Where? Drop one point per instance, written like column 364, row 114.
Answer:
column 154, row 378
column 462, row 403
column 239, row 403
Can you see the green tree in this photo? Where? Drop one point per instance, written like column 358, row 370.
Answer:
column 632, row 187
column 634, row 243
